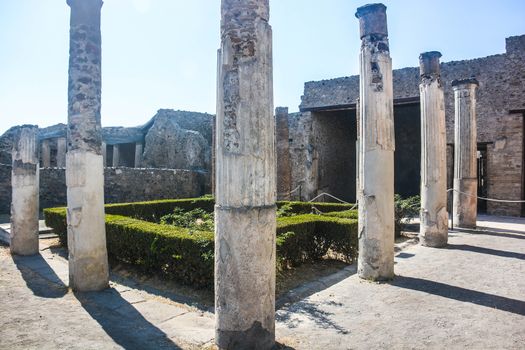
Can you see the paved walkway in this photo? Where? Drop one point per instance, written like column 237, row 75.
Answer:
column 469, row 295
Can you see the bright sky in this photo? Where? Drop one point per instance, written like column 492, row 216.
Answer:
column 162, row 53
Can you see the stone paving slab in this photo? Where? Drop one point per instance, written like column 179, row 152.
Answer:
column 469, row 295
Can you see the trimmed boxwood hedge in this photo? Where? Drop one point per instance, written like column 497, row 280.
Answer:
column 187, row 255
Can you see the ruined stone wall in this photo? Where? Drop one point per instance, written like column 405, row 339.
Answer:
column 501, row 90
column 303, row 156
column 120, row 185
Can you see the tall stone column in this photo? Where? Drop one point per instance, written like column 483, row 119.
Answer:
column 61, row 152
column 46, row 154
column 434, row 216
column 284, row 168
column 464, row 207
column 376, row 144
column 88, row 262
column 116, row 155
column 246, row 180
column 25, row 185
column 357, row 148
column 138, row 154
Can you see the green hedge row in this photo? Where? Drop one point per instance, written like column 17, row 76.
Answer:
column 187, row 255
column 306, row 207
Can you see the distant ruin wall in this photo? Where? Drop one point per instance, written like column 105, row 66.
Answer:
column 121, row 185
column 500, row 102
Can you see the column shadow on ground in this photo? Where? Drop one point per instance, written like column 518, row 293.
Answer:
column 482, row 250
column 127, row 327
column 40, row 277
column 461, row 294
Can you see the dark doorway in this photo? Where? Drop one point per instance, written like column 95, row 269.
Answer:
column 335, row 138
column 482, row 177
column 407, row 157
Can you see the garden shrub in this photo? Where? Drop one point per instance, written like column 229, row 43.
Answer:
column 405, row 209
column 187, row 253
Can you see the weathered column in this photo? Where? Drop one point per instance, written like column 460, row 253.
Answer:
column 464, row 207
column 88, row 262
column 376, row 143
column 61, row 152
column 246, row 184
column 25, row 184
column 138, row 154
column 284, row 168
column 433, row 230
column 116, row 155
column 46, row 154
column 104, row 153
column 357, row 148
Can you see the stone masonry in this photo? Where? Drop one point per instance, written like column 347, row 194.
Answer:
column 500, row 108
column 245, row 180
column 24, row 206
column 88, row 261
column 376, row 147
column 434, row 216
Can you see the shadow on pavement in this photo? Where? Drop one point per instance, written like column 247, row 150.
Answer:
column 461, row 294
column 127, row 327
column 482, row 250
column 40, row 277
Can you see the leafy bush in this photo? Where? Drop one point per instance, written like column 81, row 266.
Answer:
column 308, row 207
column 187, row 253
column 405, row 209
column 345, row 214
column 196, row 219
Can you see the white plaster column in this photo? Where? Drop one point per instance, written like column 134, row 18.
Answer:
column 376, row 143
column 25, row 186
column 88, row 262
column 116, row 155
column 433, row 215
column 138, row 154
column 61, row 152
column 245, row 180
column 46, row 154
column 464, row 207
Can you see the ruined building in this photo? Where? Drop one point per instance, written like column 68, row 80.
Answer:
column 316, row 147
column 323, row 135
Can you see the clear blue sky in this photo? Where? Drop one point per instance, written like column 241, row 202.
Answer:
column 162, row 53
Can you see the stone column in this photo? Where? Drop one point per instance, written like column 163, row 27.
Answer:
column 104, row 153
column 116, row 155
column 25, row 185
column 61, row 152
column 376, row 143
column 246, row 180
column 464, row 207
column 357, row 148
column 434, row 216
column 88, row 262
column 46, row 154
column 284, row 168
column 138, row 154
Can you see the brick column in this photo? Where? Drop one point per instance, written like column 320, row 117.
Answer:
column 88, row 262
column 245, row 180
column 138, row 154
column 464, row 207
column 376, row 143
column 434, row 216
column 46, row 154
column 61, row 152
column 25, row 185
column 284, row 168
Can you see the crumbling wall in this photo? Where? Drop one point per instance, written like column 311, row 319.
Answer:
column 120, row 185
column 500, row 94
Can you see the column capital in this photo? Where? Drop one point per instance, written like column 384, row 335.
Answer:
column 281, row 110
column 429, row 64
column 460, row 84
column 372, row 20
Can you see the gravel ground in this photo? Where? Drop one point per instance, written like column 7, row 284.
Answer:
column 470, row 295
